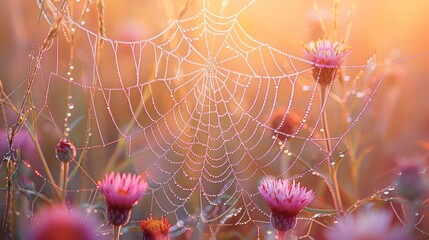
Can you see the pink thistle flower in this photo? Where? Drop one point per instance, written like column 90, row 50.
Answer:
column 372, row 224
column 65, row 151
column 327, row 56
column 55, row 223
column 154, row 229
column 285, row 201
column 122, row 192
column 283, row 123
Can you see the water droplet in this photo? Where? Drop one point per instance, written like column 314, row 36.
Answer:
column 346, row 78
column 386, row 192
column 306, row 88
column 360, row 94
column 71, row 106
column 180, row 223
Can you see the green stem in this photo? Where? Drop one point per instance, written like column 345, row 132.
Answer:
column 9, row 203
column 334, row 180
column 36, row 144
column 63, row 180
column 286, row 235
column 281, row 235
column 116, row 232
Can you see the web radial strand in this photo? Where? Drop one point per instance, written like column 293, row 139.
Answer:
column 194, row 105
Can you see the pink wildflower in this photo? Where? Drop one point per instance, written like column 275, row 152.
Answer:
column 122, row 192
column 55, row 223
column 372, row 224
column 285, row 201
column 327, row 56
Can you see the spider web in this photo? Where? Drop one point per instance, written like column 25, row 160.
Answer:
column 191, row 109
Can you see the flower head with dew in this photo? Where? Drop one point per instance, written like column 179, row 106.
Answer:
column 154, row 229
column 368, row 224
column 285, row 200
column 55, row 223
column 283, row 123
column 327, row 56
column 122, row 192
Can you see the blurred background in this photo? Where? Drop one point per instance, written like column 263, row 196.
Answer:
column 389, row 43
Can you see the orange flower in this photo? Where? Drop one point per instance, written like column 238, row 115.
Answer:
column 283, row 123
column 154, row 229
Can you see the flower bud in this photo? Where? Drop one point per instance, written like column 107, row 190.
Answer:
column 65, row 151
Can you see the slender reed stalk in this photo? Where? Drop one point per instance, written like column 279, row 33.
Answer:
column 334, row 178
column 63, row 180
